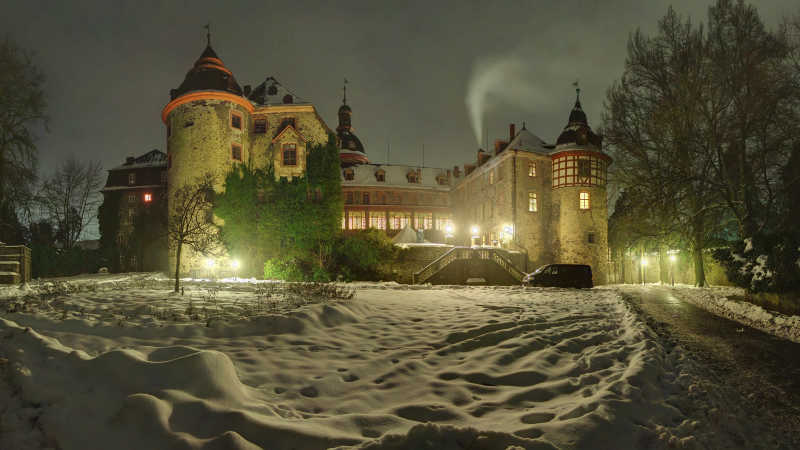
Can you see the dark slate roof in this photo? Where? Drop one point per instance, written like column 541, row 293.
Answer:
column 207, row 74
column 272, row 92
column 153, row 158
column 350, row 141
column 578, row 131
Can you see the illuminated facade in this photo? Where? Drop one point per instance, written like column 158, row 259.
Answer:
column 546, row 200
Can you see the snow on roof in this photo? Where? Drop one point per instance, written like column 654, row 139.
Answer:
column 528, row 142
column 272, row 92
column 396, row 176
column 153, row 158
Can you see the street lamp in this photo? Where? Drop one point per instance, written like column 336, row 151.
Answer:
column 644, row 269
column 475, row 233
column 209, row 266
column 235, row 267
column 672, row 267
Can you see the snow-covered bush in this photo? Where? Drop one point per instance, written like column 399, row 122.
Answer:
column 763, row 263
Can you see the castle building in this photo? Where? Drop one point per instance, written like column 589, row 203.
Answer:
column 390, row 197
column 548, row 201
column 138, row 183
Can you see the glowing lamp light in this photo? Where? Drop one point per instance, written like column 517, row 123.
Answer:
column 475, row 230
column 209, row 263
column 644, row 262
column 448, row 229
column 508, row 229
column 235, row 264
column 672, row 258
column 148, row 198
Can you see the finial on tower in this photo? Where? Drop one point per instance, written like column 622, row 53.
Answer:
column 577, row 93
column 208, row 33
column 344, row 91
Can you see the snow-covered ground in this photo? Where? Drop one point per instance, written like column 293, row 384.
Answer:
column 120, row 362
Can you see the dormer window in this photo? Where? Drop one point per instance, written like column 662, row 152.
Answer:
column 380, row 176
column 413, row 176
column 442, row 180
column 348, row 174
column 131, row 178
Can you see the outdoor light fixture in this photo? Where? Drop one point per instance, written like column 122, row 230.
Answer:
column 672, row 258
column 235, row 264
column 148, row 198
column 448, row 229
column 475, row 231
column 644, row 262
column 209, row 263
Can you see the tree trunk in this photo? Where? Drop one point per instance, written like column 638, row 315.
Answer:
column 178, row 267
column 699, row 272
column 663, row 264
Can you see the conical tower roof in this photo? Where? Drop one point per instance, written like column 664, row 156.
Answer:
column 208, row 74
column 577, row 131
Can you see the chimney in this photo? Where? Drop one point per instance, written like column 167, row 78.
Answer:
column 499, row 146
column 511, row 132
column 448, row 174
column 456, row 171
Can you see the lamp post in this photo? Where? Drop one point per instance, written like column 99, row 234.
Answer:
column 672, row 267
column 475, row 234
column 644, row 269
column 235, row 267
column 210, row 267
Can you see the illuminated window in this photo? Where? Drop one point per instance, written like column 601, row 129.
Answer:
column 423, row 221
column 377, row 220
column 132, row 198
column 131, row 178
column 531, row 169
column 289, row 155
column 236, row 152
column 533, row 206
column 356, row 220
column 491, row 176
column 348, row 197
column 583, row 202
column 236, row 120
column 366, row 198
column 260, row 126
column 399, row 220
column 148, row 198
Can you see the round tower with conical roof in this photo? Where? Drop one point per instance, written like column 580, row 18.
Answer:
column 579, row 195
column 351, row 150
column 207, row 121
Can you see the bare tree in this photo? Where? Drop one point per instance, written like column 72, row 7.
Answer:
column 22, row 108
column 190, row 220
column 70, row 197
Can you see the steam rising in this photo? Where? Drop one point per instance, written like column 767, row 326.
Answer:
column 501, row 81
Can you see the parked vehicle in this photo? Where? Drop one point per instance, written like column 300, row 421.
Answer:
column 560, row 275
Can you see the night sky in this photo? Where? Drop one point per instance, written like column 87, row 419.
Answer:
column 110, row 65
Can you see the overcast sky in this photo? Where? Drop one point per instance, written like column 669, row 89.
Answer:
column 110, row 65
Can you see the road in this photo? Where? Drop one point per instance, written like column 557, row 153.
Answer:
column 758, row 369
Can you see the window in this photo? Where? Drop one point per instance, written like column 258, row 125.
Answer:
column 289, row 155
column 531, row 169
column 583, row 200
column 377, row 219
column 423, row 221
column 491, row 176
column 584, row 168
column 260, row 126
column 356, row 220
column 163, row 177
column 236, row 120
column 131, row 214
column 380, row 176
column 533, row 206
column 399, row 220
column 148, row 197
column 286, row 122
column 131, row 198
column 348, row 198
column 348, row 174
column 413, row 176
column 590, row 237
column 131, row 178
column 366, row 198
column 236, row 152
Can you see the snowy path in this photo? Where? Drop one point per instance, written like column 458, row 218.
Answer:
column 750, row 380
column 392, row 368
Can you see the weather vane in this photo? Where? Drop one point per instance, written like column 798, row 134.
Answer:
column 208, row 33
column 344, row 90
column 577, row 89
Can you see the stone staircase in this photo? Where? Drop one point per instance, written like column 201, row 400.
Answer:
column 490, row 264
column 15, row 264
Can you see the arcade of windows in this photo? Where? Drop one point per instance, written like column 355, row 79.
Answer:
column 394, row 220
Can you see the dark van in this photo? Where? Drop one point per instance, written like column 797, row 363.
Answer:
column 560, row 275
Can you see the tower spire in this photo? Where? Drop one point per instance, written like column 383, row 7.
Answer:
column 577, row 94
column 344, row 91
column 208, row 33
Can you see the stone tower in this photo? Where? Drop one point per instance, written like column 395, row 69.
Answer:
column 579, row 195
